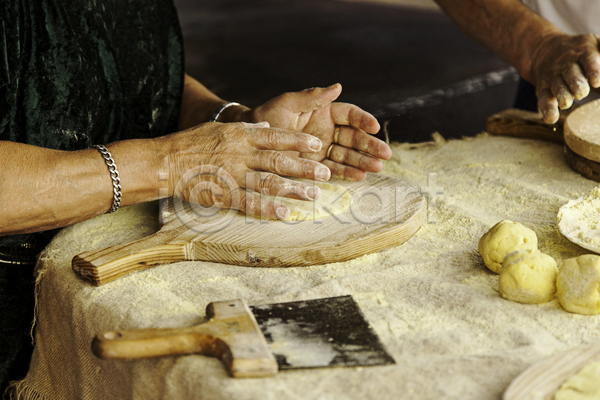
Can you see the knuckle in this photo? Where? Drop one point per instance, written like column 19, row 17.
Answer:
column 316, row 104
column 588, row 38
column 364, row 162
column 249, row 203
column 267, row 181
column 276, row 162
column 579, row 84
column 231, row 129
column 273, row 138
column 286, row 97
column 337, row 154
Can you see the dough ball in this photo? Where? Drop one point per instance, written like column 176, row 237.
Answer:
column 505, row 237
column 577, row 284
column 528, row 276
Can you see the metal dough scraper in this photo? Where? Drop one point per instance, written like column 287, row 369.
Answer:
column 258, row 341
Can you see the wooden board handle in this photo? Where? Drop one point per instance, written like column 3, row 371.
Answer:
column 525, row 124
column 102, row 266
column 231, row 334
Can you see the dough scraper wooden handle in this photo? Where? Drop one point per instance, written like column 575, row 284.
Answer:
column 231, row 334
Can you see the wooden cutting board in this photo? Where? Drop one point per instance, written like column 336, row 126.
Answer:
column 579, row 131
column 384, row 213
column 542, row 380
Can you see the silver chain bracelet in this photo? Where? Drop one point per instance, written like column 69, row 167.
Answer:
column 219, row 110
column 114, row 175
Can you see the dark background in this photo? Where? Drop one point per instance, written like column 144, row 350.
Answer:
column 411, row 67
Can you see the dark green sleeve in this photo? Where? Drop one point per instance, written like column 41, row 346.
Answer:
column 78, row 73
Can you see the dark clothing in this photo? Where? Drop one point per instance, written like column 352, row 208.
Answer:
column 526, row 97
column 74, row 74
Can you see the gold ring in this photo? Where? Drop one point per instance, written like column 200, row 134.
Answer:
column 336, row 134
column 329, row 150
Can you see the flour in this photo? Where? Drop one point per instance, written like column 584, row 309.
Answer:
column 432, row 302
column 579, row 220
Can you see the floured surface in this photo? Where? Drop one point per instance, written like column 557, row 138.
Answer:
column 579, row 220
column 432, row 302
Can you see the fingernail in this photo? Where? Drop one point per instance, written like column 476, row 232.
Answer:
column 315, row 144
column 282, row 212
column 263, row 124
column 313, row 192
column 322, row 173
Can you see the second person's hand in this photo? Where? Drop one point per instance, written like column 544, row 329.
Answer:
column 349, row 149
column 563, row 69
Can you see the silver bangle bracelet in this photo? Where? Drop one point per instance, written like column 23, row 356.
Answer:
column 114, row 175
column 219, row 110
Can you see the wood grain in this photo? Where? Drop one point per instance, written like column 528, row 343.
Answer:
column 543, row 379
column 582, row 131
column 385, row 212
column 588, row 168
column 231, row 334
column 525, row 124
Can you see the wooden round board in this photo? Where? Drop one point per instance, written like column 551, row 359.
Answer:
column 588, row 168
column 384, row 213
column 527, row 124
column 542, row 380
column 582, row 130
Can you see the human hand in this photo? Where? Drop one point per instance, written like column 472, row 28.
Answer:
column 344, row 129
column 227, row 165
column 563, row 69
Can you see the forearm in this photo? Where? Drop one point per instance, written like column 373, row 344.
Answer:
column 43, row 189
column 198, row 104
column 507, row 27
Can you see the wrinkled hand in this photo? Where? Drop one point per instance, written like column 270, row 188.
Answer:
column 313, row 111
column 563, row 69
column 213, row 164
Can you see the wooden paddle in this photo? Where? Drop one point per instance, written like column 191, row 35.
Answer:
column 578, row 130
column 384, row 213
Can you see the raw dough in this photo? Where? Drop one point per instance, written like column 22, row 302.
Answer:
column 334, row 199
column 503, row 238
column 528, row 276
column 579, row 220
column 577, row 284
column 585, row 385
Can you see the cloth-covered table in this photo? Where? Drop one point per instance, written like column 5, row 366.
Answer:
column 431, row 300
